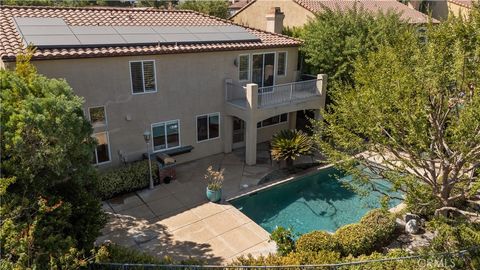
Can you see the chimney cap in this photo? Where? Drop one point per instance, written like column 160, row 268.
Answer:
column 276, row 10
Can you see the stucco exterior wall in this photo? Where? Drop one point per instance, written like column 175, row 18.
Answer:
column 254, row 15
column 458, row 10
column 187, row 85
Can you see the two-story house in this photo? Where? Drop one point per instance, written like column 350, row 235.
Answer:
column 198, row 84
column 296, row 13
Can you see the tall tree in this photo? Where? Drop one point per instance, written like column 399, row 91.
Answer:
column 412, row 117
column 335, row 39
column 50, row 217
column 217, row 8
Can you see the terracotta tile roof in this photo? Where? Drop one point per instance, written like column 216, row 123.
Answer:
column 11, row 42
column 409, row 14
column 463, row 3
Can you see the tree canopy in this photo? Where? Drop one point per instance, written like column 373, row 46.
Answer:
column 412, row 116
column 334, row 40
column 217, row 8
column 50, row 217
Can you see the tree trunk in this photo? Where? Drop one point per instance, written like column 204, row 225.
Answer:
column 289, row 162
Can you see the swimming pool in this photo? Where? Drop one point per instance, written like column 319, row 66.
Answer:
column 314, row 202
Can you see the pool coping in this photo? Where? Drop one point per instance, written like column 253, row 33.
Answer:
column 268, row 185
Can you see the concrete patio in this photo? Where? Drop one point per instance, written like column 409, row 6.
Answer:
column 176, row 220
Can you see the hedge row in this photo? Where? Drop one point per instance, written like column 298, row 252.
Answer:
column 374, row 229
column 329, row 257
column 113, row 253
column 130, row 177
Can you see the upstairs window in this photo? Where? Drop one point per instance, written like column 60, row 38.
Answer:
column 97, row 116
column 142, row 74
column 208, row 126
column 282, row 64
column 244, row 67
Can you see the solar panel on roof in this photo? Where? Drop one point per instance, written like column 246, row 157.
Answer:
column 170, row 30
column 201, row 29
column 23, row 21
column 97, row 30
column 176, row 38
column 55, row 33
column 212, row 36
column 143, row 38
column 101, row 39
column 52, row 40
column 134, row 30
column 230, row 29
column 42, row 30
column 241, row 36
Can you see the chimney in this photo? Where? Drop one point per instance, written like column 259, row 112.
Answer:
column 275, row 20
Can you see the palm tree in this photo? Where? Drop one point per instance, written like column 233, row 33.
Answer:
column 289, row 144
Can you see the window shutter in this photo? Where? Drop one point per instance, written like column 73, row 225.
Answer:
column 137, row 78
column 149, row 76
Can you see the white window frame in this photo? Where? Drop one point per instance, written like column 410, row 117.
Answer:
column 286, row 63
column 143, row 74
column 249, row 75
column 165, row 123
column 104, row 113
column 279, row 123
column 208, row 126
column 108, row 146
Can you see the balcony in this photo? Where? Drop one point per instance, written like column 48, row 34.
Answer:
column 253, row 104
column 277, row 95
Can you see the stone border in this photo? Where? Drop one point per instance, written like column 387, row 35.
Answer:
column 291, row 178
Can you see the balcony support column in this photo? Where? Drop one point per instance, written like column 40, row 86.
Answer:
column 251, row 125
column 322, row 88
column 228, row 133
column 292, row 120
column 322, row 91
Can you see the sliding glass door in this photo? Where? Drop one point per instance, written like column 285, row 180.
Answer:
column 263, row 70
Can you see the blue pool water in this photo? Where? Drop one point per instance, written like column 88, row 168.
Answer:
column 314, row 202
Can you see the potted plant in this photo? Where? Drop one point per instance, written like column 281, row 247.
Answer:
column 214, row 187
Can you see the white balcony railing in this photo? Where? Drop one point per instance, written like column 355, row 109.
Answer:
column 286, row 93
column 236, row 94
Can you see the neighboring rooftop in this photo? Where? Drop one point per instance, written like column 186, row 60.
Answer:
column 408, row 14
column 463, row 3
column 11, row 42
column 238, row 4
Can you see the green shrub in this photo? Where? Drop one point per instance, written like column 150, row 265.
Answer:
column 375, row 229
column 320, row 257
column 382, row 223
column 421, row 201
column 355, row 239
column 112, row 253
column 387, row 265
column 316, row 241
column 131, row 177
column 284, row 239
column 293, row 258
column 458, row 234
column 270, row 259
